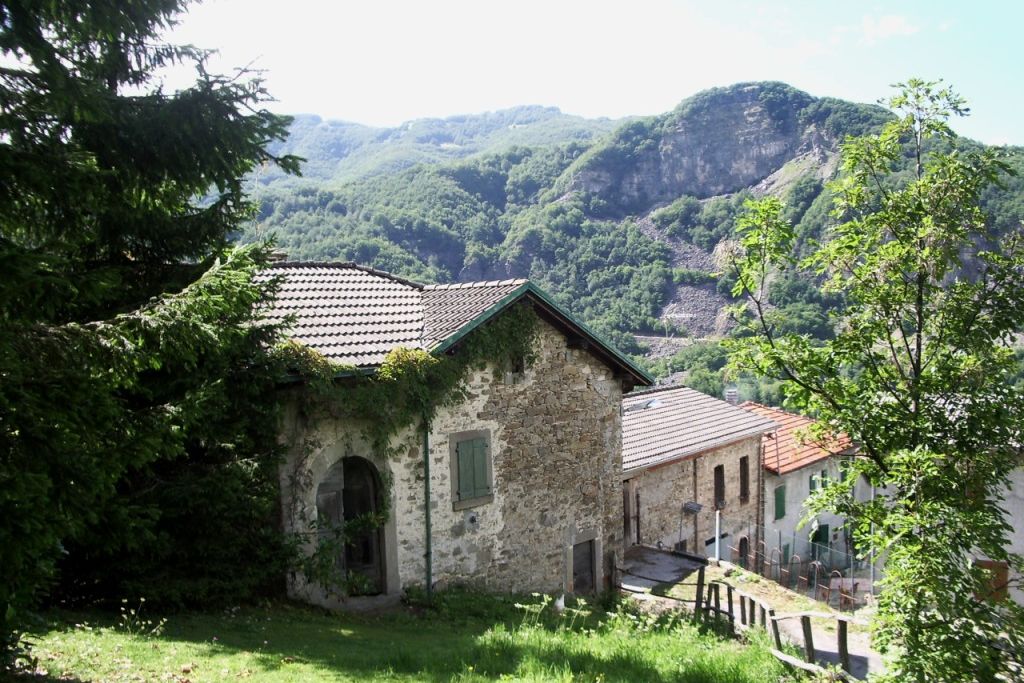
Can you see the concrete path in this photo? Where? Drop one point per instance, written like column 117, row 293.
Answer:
column 645, row 568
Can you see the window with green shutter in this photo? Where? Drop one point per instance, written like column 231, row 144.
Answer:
column 473, row 479
column 471, row 468
column 780, row 501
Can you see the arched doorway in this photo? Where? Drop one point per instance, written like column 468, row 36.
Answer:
column 349, row 495
column 744, row 552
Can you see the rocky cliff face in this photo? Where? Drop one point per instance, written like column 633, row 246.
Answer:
column 727, row 140
column 622, row 227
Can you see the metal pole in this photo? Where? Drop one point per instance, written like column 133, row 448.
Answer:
column 871, row 553
column 428, row 555
column 718, row 533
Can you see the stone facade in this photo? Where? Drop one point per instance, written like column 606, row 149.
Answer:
column 554, row 443
column 663, row 490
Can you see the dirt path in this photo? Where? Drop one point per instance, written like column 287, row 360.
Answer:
column 663, row 579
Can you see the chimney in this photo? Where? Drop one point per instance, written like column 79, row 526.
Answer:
column 732, row 395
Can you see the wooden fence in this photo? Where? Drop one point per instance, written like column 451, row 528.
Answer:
column 752, row 612
column 747, row 612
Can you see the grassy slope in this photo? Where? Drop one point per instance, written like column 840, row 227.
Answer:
column 468, row 638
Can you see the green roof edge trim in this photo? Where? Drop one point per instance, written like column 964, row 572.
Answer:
column 530, row 288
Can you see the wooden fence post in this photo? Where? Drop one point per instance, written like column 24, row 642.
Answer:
column 732, row 618
column 844, row 650
column 764, row 617
column 805, row 622
column 698, row 606
column 775, row 629
column 718, row 602
column 743, row 609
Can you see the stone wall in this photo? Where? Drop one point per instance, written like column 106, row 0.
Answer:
column 664, row 489
column 555, row 446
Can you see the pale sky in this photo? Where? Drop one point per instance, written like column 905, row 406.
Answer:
column 383, row 62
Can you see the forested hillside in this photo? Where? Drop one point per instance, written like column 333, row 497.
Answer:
column 338, row 151
column 626, row 228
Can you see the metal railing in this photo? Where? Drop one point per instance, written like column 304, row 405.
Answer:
column 820, row 571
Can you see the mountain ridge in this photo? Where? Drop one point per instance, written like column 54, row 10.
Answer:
column 625, row 227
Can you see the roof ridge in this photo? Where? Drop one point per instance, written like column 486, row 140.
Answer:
column 777, row 410
column 347, row 264
column 476, row 283
column 667, row 387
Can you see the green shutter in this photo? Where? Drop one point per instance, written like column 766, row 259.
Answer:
column 473, row 473
column 467, row 487
column 780, row 501
column 480, row 478
column 813, row 480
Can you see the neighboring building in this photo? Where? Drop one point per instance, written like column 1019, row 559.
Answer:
column 1006, row 581
column 793, row 467
column 524, row 489
column 685, row 455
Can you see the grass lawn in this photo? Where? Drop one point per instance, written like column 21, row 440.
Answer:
column 462, row 637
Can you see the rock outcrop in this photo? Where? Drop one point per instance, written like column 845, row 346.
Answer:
column 720, row 142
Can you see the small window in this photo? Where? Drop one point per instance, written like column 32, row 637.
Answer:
column 744, row 479
column 719, row 487
column 780, row 501
column 470, row 469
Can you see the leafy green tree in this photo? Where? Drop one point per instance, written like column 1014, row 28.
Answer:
column 124, row 316
column 918, row 374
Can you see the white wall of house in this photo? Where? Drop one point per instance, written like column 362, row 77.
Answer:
column 1014, row 506
column 792, row 532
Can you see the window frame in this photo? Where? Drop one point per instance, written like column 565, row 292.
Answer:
column 719, row 485
column 454, row 440
column 744, row 479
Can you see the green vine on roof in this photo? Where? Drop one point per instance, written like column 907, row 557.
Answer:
column 408, row 389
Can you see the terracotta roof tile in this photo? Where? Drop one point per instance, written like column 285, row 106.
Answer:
column 447, row 308
column 356, row 315
column 662, row 425
column 785, row 451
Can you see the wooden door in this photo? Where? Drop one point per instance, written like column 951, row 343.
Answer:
column 583, row 580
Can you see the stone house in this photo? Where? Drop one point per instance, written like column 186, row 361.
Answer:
column 686, row 455
column 517, row 487
column 794, row 466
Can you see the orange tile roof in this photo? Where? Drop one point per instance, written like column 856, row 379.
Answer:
column 784, row 451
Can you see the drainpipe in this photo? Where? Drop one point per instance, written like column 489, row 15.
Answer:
column 428, row 555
